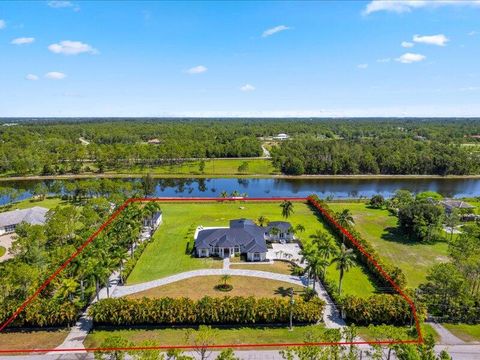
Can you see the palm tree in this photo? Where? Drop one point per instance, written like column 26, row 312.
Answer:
column 287, row 208
column 262, row 221
column 345, row 260
column 224, row 194
column 299, row 229
column 345, row 220
column 225, row 278
column 325, row 246
column 235, row 193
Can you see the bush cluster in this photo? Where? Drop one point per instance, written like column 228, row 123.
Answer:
column 378, row 309
column 184, row 311
column 394, row 272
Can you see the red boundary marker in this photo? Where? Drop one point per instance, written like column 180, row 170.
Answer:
column 112, row 217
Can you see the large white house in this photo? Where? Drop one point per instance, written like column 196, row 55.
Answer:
column 242, row 237
column 9, row 220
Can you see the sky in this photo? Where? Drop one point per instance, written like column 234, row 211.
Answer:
column 258, row 59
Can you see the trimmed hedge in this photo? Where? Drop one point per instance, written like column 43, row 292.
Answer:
column 379, row 309
column 42, row 313
column 184, row 311
column 394, row 272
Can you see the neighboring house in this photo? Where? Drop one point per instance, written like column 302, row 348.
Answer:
column 10, row 219
column 242, row 237
column 452, row 204
column 281, row 136
column 153, row 221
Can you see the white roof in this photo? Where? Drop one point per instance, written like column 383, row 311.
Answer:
column 33, row 216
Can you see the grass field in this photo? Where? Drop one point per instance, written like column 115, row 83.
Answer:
column 465, row 332
column 198, row 287
column 251, row 335
column 368, row 333
column 379, row 227
column 2, row 251
column 166, row 255
column 212, row 167
column 281, row 267
column 32, row 339
column 49, row 203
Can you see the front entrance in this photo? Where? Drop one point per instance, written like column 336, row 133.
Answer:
column 226, row 252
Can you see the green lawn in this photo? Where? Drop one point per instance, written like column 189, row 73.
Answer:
column 367, row 333
column 166, row 254
column 465, row 332
column 226, row 167
column 246, row 335
column 379, row 227
column 2, row 251
column 49, row 203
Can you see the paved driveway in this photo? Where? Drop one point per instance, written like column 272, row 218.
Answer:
column 6, row 242
column 290, row 251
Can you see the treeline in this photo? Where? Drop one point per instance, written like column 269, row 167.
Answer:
column 328, row 146
column 375, row 156
column 208, row 310
column 40, row 249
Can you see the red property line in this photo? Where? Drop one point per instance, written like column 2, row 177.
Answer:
column 187, row 347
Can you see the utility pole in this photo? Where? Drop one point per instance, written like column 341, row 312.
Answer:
column 292, row 302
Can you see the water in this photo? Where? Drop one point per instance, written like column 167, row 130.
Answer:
column 331, row 188
column 334, row 188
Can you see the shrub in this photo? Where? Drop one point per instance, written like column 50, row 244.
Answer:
column 184, row 311
column 377, row 309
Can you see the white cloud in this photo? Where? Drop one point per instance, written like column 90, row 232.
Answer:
column 274, row 30
column 22, row 41
column 32, row 77
column 3, row 24
column 439, row 40
column 407, row 44
column 197, row 70
column 247, row 88
column 55, row 75
column 362, row 66
column 409, row 58
column 470, row 88
column 68, row 47
column 472, row 33
column 384, row 60
column 403, row 6
column 59, row 4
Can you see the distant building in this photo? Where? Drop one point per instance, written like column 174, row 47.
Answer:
column 281, row 136
column 153, row 221
column 452, row 204
column 154, row 141
column 9, row 220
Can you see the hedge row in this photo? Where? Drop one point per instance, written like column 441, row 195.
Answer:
column 394, row 272
column 132, row 261
column 226, row 310
column 42, row 313
column 379, row 309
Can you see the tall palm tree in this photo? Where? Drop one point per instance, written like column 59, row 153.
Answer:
column 345, row 260
column 224, row 194
column 325, row 247
column 345, row 220
column 262, row 221
column 287, row 208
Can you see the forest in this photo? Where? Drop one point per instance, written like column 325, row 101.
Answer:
column 315, row 146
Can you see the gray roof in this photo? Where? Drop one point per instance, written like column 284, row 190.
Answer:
column 280, row 225
column 242, row 232
column 34, row 216
column 452, row 203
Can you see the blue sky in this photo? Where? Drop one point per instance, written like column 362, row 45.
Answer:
column 347, row 58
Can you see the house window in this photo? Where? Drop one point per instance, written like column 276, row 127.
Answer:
column 282, row 235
